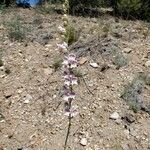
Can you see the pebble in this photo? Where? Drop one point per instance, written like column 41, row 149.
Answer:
column 27, row 99
column 94, row 20
column 48, row 71
column 54, row 96
column 118, row 121
column 83, row 60
column 127, row 50
column 48, row 45
column 2, row 68
column 147, row 64
column 126, row 132
column 83, row 142
column 133, row 132
column 94, row 65
column 125, row 146
column 11, row 44
column 114, row 116
column 2, row 27
column 129, row 118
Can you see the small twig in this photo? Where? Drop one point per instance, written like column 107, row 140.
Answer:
column 59, row 103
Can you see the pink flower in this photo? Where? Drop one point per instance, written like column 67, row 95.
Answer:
column 63, row 47
column 70, row 79
column 68, row 96
column 70, row 61
column 71, row 111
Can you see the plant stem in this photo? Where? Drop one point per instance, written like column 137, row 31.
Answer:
column 68, row 132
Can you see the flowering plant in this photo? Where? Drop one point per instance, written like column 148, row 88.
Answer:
column 68, row 64
column 70, row 79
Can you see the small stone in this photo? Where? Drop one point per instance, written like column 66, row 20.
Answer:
column 114, row 116
column 83, row 142
column 104, row 67
column 2, row 68
column 94, row 20
column 48, row 45
column 126, row 132
column 83, row 60
column 54, row 96
column 2, row 27
column 118, row 121
column 19, row 91
column 27, row 99
column 133, row 132
column 129, row 118
column 125, row 147
column 94, row 65
column 145, row 56
column 127, row 50
column 8, row 94
column 11, row 44
column 48, row 71
column 1, row 117
column 147, row 64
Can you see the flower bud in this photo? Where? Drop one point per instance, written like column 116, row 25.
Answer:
column 65, row 23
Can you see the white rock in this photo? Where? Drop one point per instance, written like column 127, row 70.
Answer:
column 147, row 64
column 54, row 96
column 27, row 99
column 125, row 146
column 83, row 142
column 11, row 44
column 2, row 68
column 114, row 116
column 48, row 71
column 127, row 50
column 94, row 65
column 48, row 45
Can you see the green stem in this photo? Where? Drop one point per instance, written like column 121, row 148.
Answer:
column 68, row 132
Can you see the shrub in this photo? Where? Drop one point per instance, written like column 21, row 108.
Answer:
column 56, row 63
column 71, row 35
column 2, row 8
column 132, row 8
column 54, row 1
column 82, row 6
column 15, row 30
column 132, row 93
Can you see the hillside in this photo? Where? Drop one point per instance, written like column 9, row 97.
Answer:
column 111, row 117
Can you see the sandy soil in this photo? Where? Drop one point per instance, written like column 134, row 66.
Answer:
column 31, row 106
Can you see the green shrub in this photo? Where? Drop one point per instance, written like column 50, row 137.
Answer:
column 15, row 30
column 2, row 8
column 132, row 93
column 81, row 6
column 56, row 64
column 45, row 9
column 72, row 35
column 54, row 1
column 132, row 8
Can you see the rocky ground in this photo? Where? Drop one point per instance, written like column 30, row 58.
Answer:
column 111, row 53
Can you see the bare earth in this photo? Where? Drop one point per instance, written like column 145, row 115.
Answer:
column 31, row 107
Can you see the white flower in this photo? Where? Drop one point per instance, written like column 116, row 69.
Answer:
column 69, row 95
column 63, row 47
column 70, row 61
column 70, row 80
column 71, row 111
